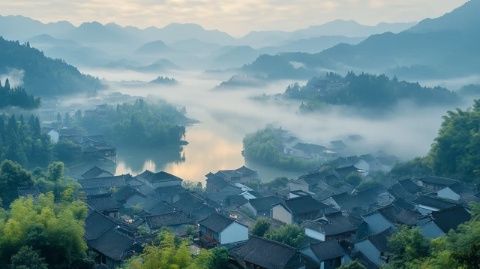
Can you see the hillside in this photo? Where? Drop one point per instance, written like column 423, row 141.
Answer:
column 435, row 48
column 366, row 92
column 43, row 76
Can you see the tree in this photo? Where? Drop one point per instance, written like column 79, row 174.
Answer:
column 12, row 176
column 168, row 253
column 455, row 150
column 219, row 258
column 262, row 225
column 407, row 245
column 291, row 235
column 54, row 230
column 27, row 258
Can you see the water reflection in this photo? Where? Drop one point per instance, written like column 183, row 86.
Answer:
column 206, row 152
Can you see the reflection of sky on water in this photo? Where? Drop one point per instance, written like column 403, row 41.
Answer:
column 226, row 116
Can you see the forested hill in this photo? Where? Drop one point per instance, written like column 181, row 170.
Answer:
column 366, row 91
column 43, row 76
column 16, row 96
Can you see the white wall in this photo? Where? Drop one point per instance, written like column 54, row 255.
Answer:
column 280, row 213
column 235, row 232
column 448, row 193
column 314, row 234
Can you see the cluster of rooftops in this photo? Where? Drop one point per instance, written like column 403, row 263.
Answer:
column 341, row 223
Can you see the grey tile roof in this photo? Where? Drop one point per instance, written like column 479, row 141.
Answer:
column 304, row 204
column 265, row 203
column 216, row 222
column 95, row 172
column 434, row 202
column 440, row 181
column 327, row 250
column 267, row 254
column 170, row 219
column 114, row 244
column 103, row 203
column 450, row 218
column 158, row 177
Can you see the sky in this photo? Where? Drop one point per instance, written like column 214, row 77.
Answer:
column 236, row 17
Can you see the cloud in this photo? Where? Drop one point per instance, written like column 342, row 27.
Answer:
column 236, row 17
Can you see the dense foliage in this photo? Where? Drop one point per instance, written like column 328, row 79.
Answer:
column 44, row 76
column 455, row 151
column 366, row 91
column 45, row 232
column 291, row 235
column 266, row 147
column 137, row 124
column 170, row 253
column 16, row 96
column 458, row 249
column 22, row 141
column 261, row 227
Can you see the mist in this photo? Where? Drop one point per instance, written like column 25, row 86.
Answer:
column 225, row 116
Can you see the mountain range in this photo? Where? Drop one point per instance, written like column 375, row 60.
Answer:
column 96, row 44
column 434, row 48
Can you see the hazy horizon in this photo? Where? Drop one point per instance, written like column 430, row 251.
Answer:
column 231, row 18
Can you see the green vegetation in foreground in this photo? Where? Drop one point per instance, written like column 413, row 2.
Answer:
column 458, row 249
column 141, row 124
column 455, row 152
column 367, row 92
column 169, row 252
column 16, row 97
column 289, row 234
column 33, row 230
column 266, row 147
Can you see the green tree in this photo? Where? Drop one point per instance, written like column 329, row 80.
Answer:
column 219, row 258
column 169, row 253
column 54, row 230
column 27, row 258
column 291, row 235
column 407, row 246
column 455, row 150
column 12, row 176
column 262, row 225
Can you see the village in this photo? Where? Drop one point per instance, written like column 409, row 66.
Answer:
column 341, row 220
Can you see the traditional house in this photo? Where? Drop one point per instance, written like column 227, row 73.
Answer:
column 360, row 201
column 299, row 209
column 177, row 222
column 441, row 222
column 217, row 229
column 325, row 255
column 427, row 204
column 106, row 205
column 332, row 227
column 96, row 172
column 262, row 207
column 242, row 175
column 434, row 184
column 405, row 189
column 160, row 179
column 375, row 247
column 104, row 185
column 194, row 206
column 261, row 253
column 110, row 240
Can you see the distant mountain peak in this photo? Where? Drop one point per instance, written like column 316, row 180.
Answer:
column 463, row 18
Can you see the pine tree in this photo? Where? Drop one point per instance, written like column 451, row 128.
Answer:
column 7, row 84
